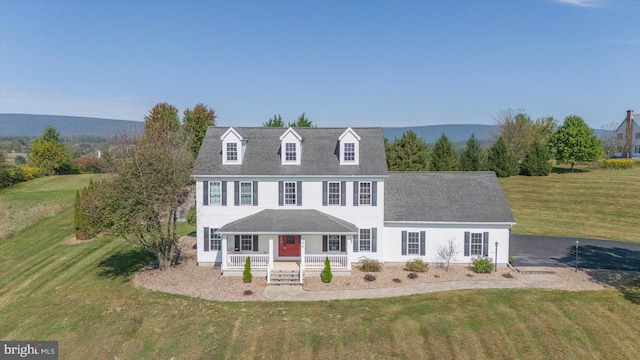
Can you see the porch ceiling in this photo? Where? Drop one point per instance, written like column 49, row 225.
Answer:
column 289, row 221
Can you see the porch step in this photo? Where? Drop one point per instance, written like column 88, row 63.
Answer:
column 285, row 277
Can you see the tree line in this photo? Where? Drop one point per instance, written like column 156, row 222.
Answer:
column 522, row 146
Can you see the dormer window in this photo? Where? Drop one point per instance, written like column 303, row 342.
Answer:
column 349, row 152
column 349, row 143
column 290, row 152
column 290, row 147
column 232, row 151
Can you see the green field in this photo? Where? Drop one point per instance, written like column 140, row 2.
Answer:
column 600, row 204
column 81, row 296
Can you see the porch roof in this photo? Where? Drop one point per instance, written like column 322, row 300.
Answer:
column 289, row 221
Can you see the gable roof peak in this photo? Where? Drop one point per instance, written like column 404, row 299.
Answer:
column 351, row 131
column 290, row 130
column 233, row 131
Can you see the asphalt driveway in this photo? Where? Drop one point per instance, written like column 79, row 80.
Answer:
column 531, row 250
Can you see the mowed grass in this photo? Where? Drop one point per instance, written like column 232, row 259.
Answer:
column 81, row 296
column 600, row 204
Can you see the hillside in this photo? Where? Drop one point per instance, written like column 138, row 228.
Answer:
column 33, row 125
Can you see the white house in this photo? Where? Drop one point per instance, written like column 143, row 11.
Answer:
column 299, row 195
column 628, row 135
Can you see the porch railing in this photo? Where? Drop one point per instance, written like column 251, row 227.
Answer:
column 258, row 261
column 316, row 261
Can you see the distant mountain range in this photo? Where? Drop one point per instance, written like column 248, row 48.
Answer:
column 33, row 125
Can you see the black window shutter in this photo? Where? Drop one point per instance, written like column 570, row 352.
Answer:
column 236, row 193
column 374, row 193
column 255, row 243
column 206, row 239
column 343, row 243
column 237, row 243
column 224, row 193
column 205, row 190
column 404, row 243
column 467, row 242
column 324, row 193
column 355, row 193
column 356, row 244
column 423, row 236
column 299, row 193
column 343, row 193
column 374, row 239
column 255, row 193
column 280, row 193
column 325, row 240
column 485, row 244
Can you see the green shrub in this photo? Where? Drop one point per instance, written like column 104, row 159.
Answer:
column 326, row 276
column 246, row 275
column 512, row 260
column 482, row 265
column 416, row 265
column 191, row 216
column 369, row 265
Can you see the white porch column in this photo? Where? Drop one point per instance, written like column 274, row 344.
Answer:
column 349, row 250
column 302, row 253
column 271, row 252
column 223, row 248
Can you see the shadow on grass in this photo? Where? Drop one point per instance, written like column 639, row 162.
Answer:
column 631, row 291
column 564, row 170
column 124, row 264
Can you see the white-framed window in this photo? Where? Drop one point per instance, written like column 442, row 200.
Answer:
column 638, row 136
column 246, row 193
column 246, row 242
column 476, row 244
column 364, row 193
column 232, row 152
column 349, row 152
column 637, row 149
column 365, row 240
column 215, row 192
column 290, row 152
column 413, row 243
column 334, row 193
column 215, row 239
column 290, row 193
column 334, row 243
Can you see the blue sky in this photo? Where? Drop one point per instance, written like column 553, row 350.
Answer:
column 355, row 63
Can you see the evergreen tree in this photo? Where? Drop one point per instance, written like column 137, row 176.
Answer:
column 275, row 121
column 444, row 155
column 575, row 142
column 538, row 161
column 303, row 121
column 408, row 153
column 474, row 157
column 501, row 160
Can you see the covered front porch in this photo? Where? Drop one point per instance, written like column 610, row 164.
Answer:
column 278, row 241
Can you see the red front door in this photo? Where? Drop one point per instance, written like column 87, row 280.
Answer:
column 289, row 245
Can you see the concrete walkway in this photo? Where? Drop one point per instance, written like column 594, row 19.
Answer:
column 297, row 293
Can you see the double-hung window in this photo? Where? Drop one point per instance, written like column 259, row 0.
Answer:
column 349, row 152
column 637, row 149
column 334, row 193
column 334, row 242
column 232, row 151
column 246, row 193
column 290, row 193
column 215, row 239
column 364, row 193
column 365, row 240
column 413, row 243
column 637, row 135
column 476, row 244
column 215, row 193
column 246, row 242
column 290, row 152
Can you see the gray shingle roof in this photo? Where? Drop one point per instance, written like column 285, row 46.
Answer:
column 445, row 197
column 319, row 153
column 289, row 221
